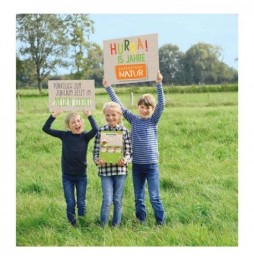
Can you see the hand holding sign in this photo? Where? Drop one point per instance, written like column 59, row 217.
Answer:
column 105, row 83
column 57, row 111
column 87, row 113
column 159, row 77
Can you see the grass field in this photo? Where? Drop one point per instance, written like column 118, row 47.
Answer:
column 198, row 137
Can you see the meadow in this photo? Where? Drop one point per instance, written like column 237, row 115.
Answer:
column 198, row 139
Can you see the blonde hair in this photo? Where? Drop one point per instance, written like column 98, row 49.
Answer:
column 147, row 100
column 116, row 107
column 68, row 118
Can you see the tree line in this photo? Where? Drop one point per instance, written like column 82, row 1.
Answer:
column 47, row 42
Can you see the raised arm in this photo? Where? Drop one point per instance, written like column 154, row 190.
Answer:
column 93, row 124
column 161, row 99
column 112, row 93
column 126, row 113
column 58, row 111
column 47, row 126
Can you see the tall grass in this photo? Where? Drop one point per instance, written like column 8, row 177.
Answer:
column 198, row 172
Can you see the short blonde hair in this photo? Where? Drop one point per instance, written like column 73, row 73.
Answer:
column 147, row 100
column 116, row 107
column 69, row 116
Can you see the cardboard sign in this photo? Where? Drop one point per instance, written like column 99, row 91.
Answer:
column 131, row 59
column 111, row 146
column 71, row 95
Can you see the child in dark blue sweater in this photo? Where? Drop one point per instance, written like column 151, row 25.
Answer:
column 73, row 161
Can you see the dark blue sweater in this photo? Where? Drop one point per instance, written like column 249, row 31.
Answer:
column 74, row 146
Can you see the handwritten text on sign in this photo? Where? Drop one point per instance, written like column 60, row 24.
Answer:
column 71, row 95
column 131, row 59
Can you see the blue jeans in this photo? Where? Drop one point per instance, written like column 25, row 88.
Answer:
column 141, row 173
column 112, row 190
column 70, row 184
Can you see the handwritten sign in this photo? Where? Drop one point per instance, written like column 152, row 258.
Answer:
column 71, row 95
column 131, row 59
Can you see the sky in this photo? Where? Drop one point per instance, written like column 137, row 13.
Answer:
column 183, row 30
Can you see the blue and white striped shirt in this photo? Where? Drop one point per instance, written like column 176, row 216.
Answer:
column 144, row 133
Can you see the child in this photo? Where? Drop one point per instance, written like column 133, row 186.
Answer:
column 74, row 149
column 113, row 175
column 145, row 149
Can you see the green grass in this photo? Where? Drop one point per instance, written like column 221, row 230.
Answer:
column 198, row 137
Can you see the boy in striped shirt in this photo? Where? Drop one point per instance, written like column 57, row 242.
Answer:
column 144, row 139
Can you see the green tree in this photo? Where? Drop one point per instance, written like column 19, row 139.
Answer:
column 94, row 67
column 45, row 39
column 25, row 72
column 79, row 29
column 41, row 39
column 226, row 73
column 171, row 67
column 201, row 62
